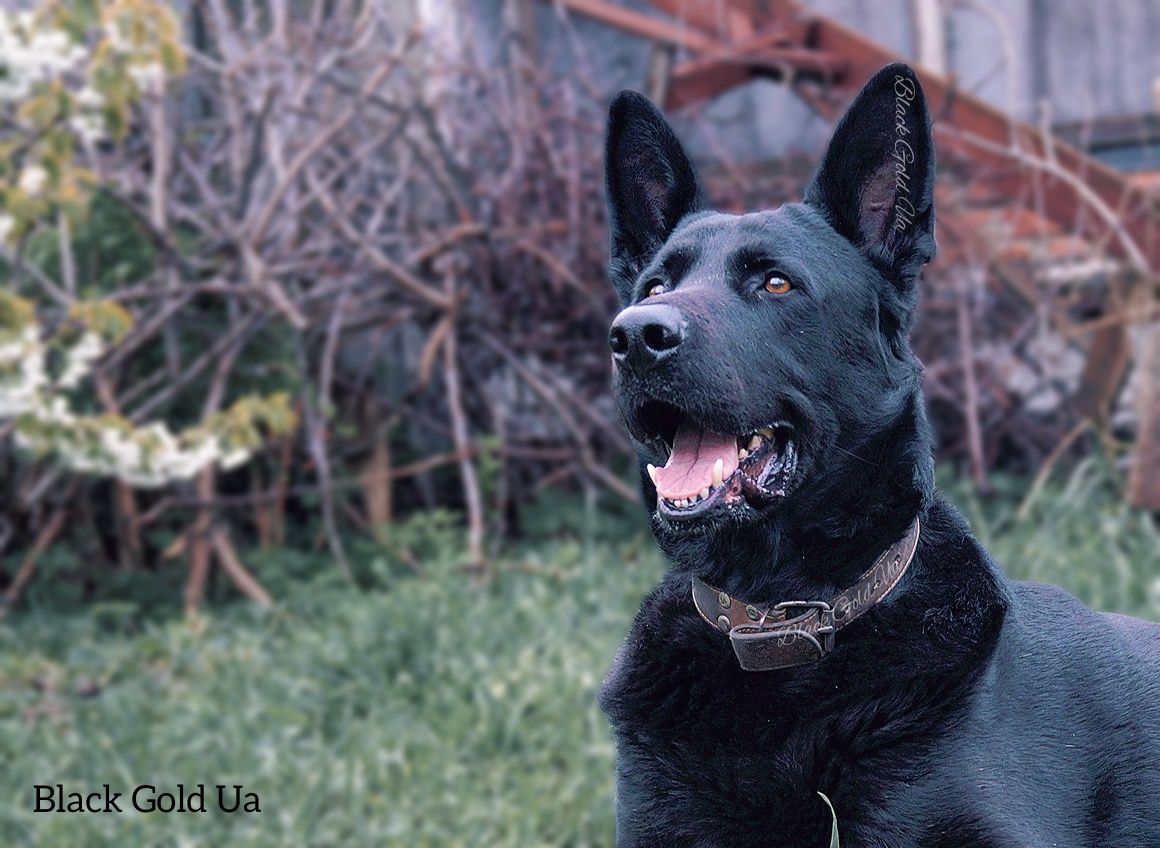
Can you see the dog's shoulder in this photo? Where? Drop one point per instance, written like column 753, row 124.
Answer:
column 1052, row 639
column 1068, row 633
column 1140, row 639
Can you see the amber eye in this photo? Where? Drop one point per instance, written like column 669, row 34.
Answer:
column 655, row 290
column 776, row 284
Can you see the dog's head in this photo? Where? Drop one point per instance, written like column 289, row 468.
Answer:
column 761, row 362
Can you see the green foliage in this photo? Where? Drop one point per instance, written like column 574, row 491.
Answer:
column 105, row 318
column 110, row 245
column 436, row 713
column 422, row 708
column 16, row 313
column 1080, row 534
column 834, row 841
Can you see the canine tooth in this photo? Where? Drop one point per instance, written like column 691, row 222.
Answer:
column 718, row 472
column 741, row 454
column 705, row 491
column 652, row 472
column 755, row 442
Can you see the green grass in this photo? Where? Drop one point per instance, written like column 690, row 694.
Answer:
column 422, row 709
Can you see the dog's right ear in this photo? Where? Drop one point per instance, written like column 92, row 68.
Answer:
column 650, row 185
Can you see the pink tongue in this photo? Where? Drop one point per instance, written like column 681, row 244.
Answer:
column 690, row 468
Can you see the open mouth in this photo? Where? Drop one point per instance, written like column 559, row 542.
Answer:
column 707, row 470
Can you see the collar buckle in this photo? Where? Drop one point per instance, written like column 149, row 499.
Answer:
column 825, row 629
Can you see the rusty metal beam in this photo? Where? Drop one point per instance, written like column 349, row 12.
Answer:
column 729, row 19
column 723, row 19
column 776, row 52
column 646, row 26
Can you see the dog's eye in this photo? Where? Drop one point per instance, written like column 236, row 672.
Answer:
column 655, row 289
column 777, row 284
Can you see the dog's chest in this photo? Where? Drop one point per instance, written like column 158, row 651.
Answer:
column 709, row 754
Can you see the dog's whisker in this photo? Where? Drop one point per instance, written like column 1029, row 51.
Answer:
column 855, row 456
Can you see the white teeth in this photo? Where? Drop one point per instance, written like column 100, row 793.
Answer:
column 741, row 454
column 705, row 491
column 652, row 472
column 718, row 472
column 767, row 432
column 755, row 442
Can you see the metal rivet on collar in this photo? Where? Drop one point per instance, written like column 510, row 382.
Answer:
column 723, row 623
column 752, row 612
column 724, row 600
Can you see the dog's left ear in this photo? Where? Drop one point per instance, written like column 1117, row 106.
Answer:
column 876, row 182
column 650, row 184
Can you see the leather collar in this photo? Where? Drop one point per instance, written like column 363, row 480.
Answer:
column 795, row 632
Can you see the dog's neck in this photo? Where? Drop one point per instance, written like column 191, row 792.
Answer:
column 820, row 544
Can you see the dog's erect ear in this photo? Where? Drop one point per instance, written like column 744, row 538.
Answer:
column 650, row 184
column 876, row 182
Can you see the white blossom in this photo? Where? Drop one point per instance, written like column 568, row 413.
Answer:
column 79, row 360
column 31, row 53
column 149, row 77
column 147, row 457
column 32, row 179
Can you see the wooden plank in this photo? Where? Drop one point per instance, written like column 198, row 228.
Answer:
column 660, row 72
column 1103, row 374
column 1144, row 477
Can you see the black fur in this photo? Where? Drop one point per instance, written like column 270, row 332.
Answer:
column 965, row 710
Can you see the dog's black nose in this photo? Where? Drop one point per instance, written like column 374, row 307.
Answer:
column 643, row 335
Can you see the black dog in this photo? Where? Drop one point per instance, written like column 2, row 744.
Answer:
column 763, row 369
